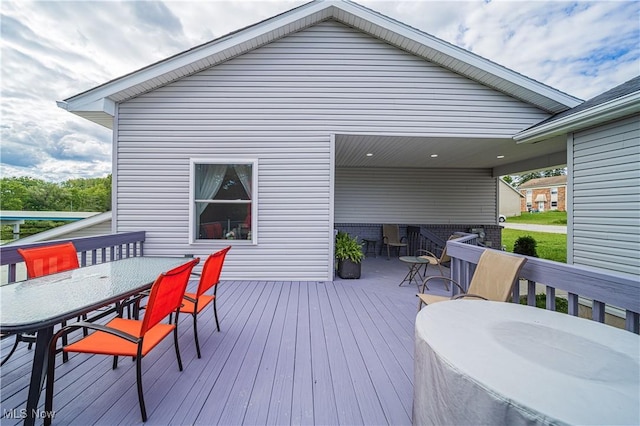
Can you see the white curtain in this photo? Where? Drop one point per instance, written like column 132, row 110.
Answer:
column 210, row 180
column 244, row 174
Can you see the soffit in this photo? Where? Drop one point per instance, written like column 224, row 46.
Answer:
column 453, row 152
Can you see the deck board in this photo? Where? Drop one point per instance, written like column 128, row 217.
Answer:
column 336, row 352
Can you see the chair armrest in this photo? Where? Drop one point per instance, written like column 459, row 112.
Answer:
column 190, row 299
column 98, row 327
column 424, row 283
column 427, row 252
column 474, row 296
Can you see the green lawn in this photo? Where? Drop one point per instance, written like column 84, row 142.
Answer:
column 549, row 246
column 546, row 218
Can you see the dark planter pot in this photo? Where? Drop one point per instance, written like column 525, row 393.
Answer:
column 348, row 270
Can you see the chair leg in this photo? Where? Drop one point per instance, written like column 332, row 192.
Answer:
column 13, row 349
column 215, row 313
column 143, row 409
column 65, row 356
column 446, row 286
column 195, row 332
column 175, row 344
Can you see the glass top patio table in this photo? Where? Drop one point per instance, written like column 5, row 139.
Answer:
column 37, row 305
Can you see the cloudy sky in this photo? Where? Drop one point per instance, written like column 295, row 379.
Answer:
column 51, row 50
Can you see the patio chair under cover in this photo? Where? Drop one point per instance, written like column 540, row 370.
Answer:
column 130, row 337
column 493, row 279
column 193, row 303
column 391, row 238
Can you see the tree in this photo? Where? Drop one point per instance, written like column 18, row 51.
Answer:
column 508, row 179
column 12, row 194
column 520, row 179
column 89, row 194
column 554, row 172
column 29, row 194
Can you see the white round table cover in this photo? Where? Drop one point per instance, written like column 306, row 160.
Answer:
column 493, row 363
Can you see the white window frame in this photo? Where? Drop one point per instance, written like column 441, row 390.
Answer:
column 193, row 162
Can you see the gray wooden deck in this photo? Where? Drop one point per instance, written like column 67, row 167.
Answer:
column 336, row 352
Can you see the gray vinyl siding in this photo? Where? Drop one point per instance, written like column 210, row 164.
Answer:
column 415, row 196
column 103, row 228
column 280, row 104
column 606, row 196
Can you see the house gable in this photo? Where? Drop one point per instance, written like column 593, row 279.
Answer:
column 98, row 104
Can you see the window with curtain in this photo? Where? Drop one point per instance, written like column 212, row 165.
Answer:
column 223, row 200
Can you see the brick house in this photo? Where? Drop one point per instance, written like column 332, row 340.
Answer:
column 542, row 194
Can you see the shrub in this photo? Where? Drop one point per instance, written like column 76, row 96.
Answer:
column 541, row 302
column 525, row 245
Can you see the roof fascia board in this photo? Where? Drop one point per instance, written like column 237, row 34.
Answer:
column 617, row 108
column 96, row 105
column 64, row 229
column 538, row 163
column 78, row 102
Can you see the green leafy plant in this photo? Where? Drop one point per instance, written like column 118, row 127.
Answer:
column 348, row 248
column 525, row 245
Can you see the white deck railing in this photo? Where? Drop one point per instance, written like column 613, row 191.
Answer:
column 603, row 288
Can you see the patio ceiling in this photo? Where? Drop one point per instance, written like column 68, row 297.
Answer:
column 452, row 152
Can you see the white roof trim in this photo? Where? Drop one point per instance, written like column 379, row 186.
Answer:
column 60, row 231
column 616, row 108
column 98, row 104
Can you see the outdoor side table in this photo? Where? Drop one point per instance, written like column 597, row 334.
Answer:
column 368, row 243
column 414, row 263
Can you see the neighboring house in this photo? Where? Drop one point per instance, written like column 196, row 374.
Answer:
column 328, row 116
column 99, row 224
column 603, row 135
column 510, row 199
column 543, row 194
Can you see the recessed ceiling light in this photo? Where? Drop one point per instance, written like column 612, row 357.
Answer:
column 500, row 156
column 369, row 154
column 434, row 155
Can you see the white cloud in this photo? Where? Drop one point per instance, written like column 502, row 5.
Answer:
column 53, row 50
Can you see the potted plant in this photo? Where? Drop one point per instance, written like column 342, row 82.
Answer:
column 349, row 255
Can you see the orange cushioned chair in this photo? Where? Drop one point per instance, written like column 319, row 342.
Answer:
column 42, row 261
column 194, row 303
column 131, row 337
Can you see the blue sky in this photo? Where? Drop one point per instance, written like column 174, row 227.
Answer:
column 51, row 50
